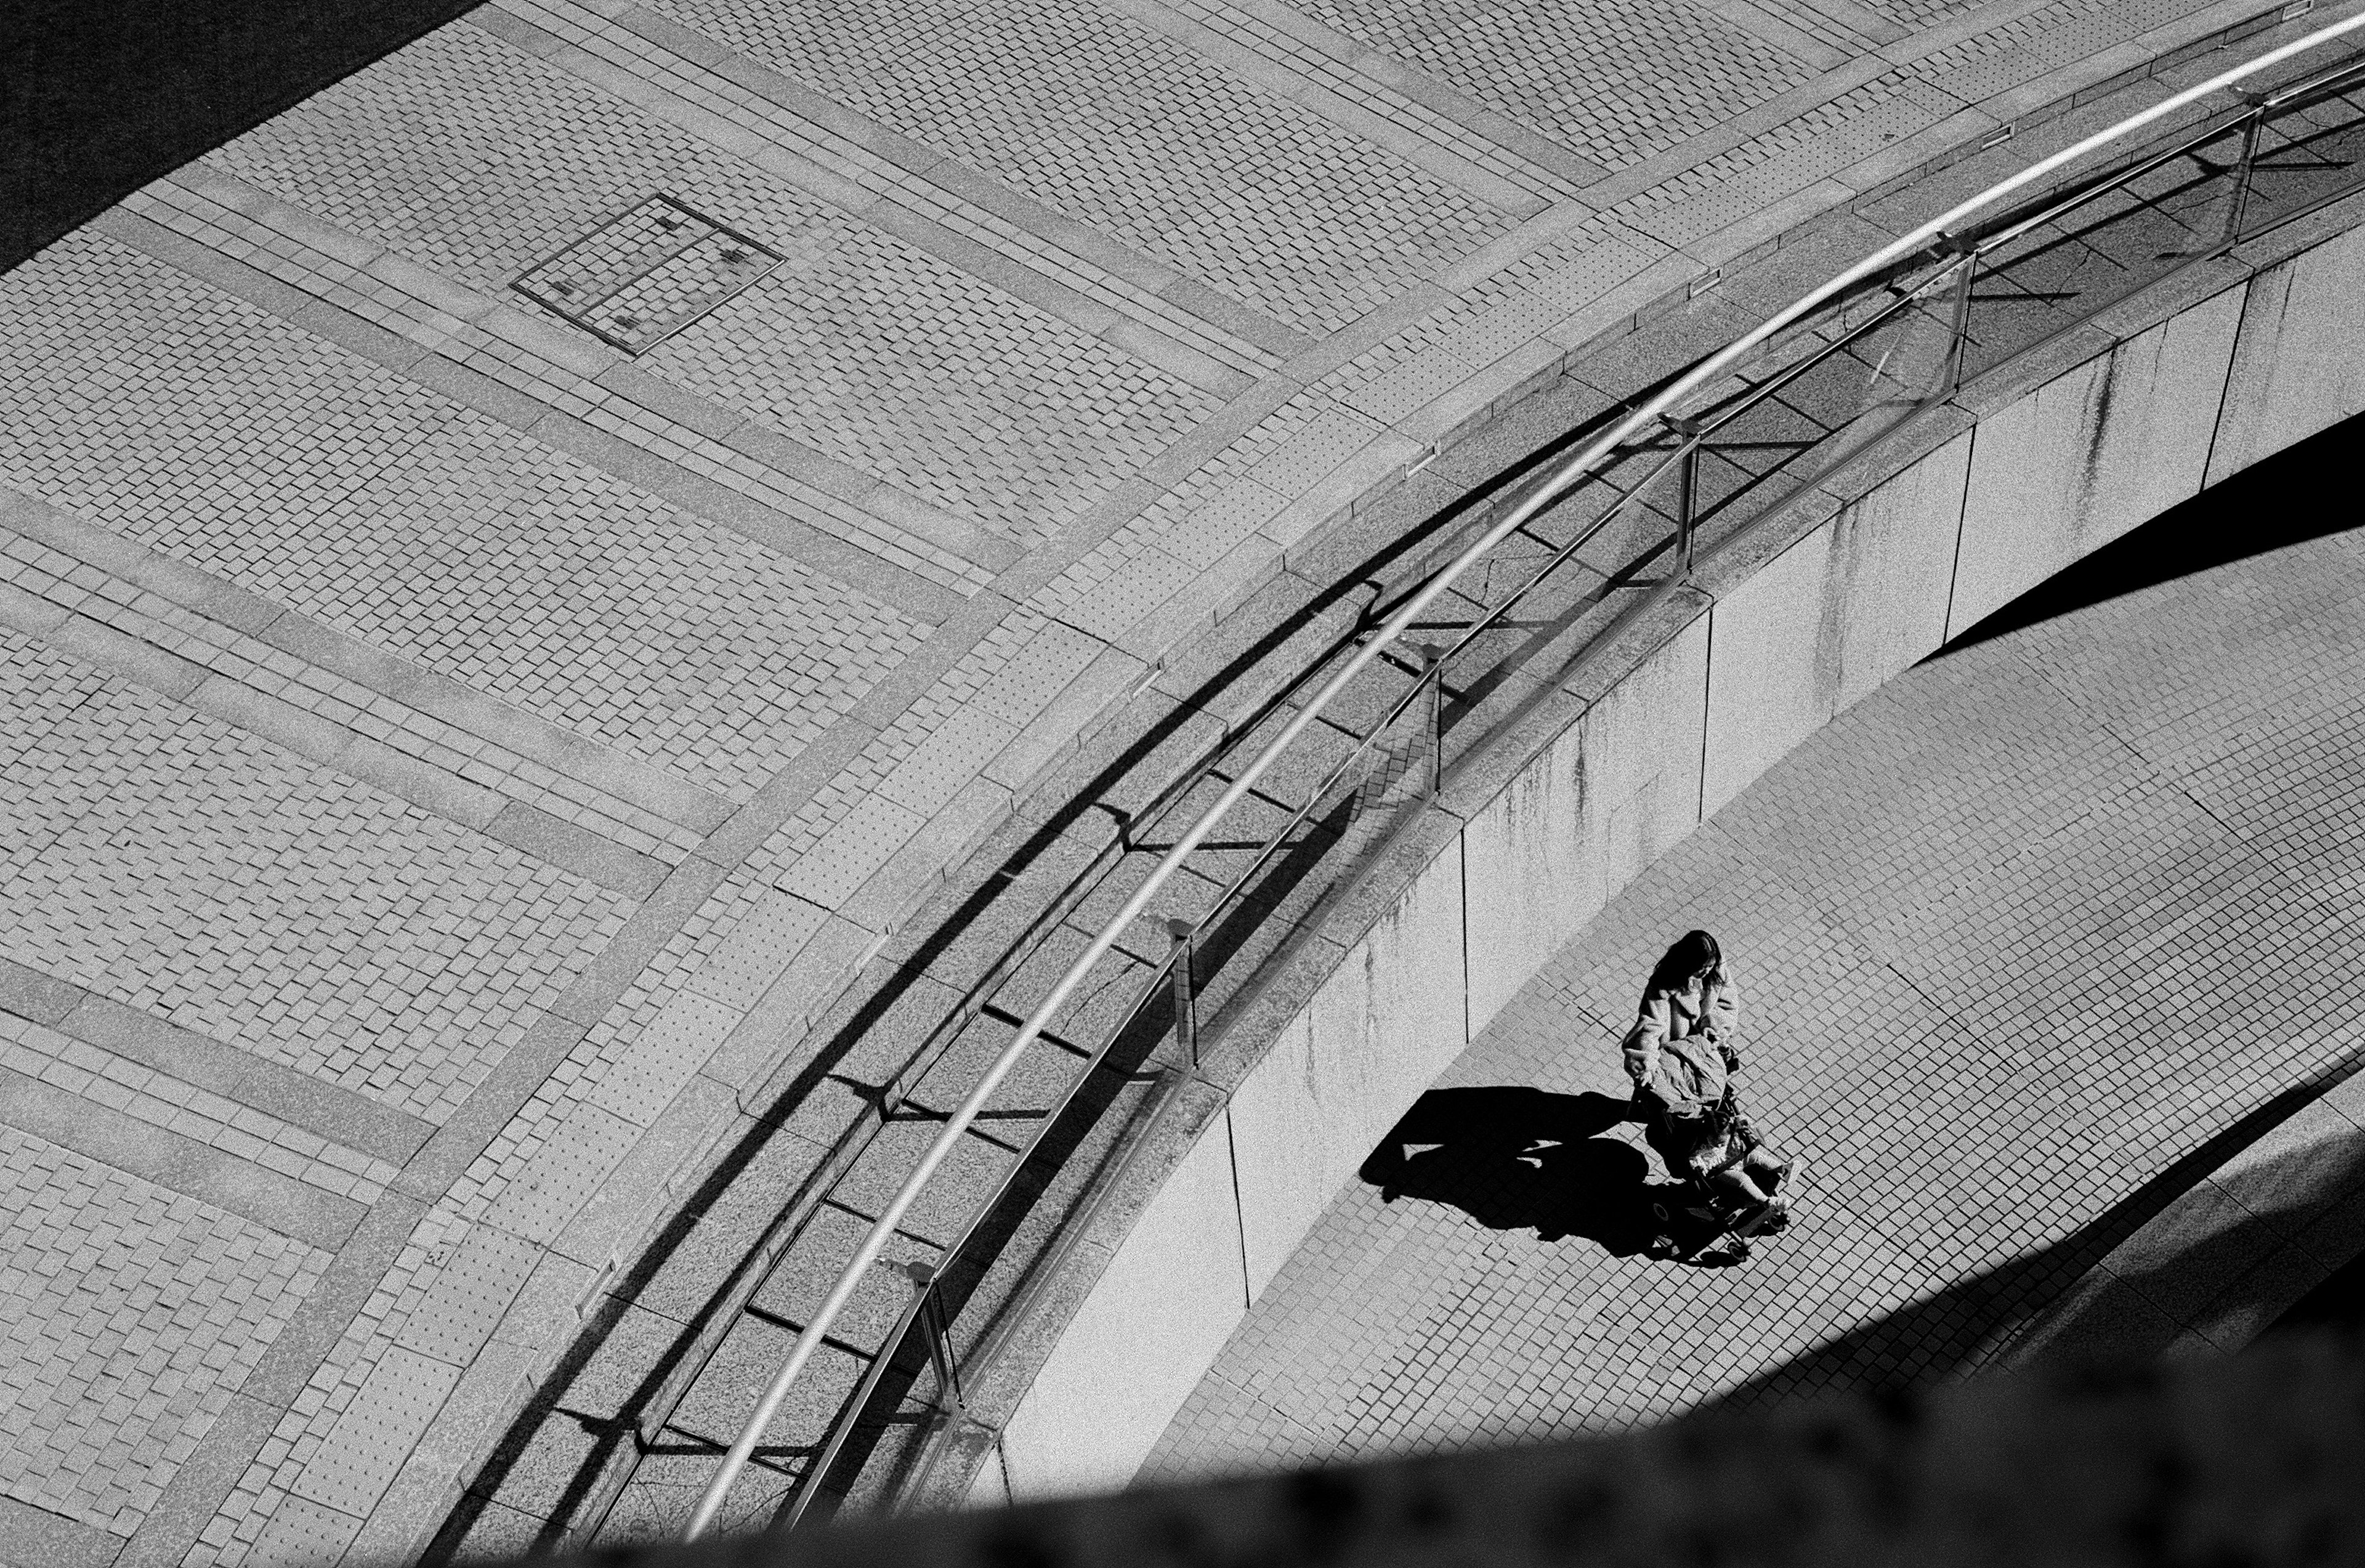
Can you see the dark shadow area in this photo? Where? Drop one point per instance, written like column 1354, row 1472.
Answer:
column 2337, row 1303
column 2248, row 1462
column 97, row 99
column 1511, row 1157
column 1951, row 1332
column 2287, row 499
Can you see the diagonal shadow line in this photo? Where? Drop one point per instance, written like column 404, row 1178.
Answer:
column 2270, row 495
column 1954, row 1331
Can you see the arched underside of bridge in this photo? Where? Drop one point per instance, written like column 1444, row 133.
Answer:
column 2017, row 938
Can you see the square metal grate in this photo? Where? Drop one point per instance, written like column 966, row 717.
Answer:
column 646, row 273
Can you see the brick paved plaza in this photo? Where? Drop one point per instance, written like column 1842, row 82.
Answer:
column 2012, row 936
column 457, row 749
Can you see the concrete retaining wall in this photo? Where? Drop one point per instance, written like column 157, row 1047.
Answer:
column 2028, row 470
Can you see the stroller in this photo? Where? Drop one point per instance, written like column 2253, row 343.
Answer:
column 1730, row 1186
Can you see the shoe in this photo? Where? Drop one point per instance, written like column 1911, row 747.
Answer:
column 1751, row 1220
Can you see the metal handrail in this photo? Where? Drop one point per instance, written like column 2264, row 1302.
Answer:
column 975, row 1001
column 1545, row 493
column 1994, row 234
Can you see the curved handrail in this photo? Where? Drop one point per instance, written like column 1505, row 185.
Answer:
column 1435, row 587
column 749, row 1278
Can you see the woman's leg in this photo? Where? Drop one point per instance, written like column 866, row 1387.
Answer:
column 1765, row 1168
column 1736, row 1182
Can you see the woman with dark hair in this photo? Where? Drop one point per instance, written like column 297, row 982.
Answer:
column 1689, row 995
column 1680, row 1055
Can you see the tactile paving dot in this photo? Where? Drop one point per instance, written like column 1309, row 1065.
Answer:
column 376, row 1432
column 303, row 1534
column 468, row 1294
column 858, row 845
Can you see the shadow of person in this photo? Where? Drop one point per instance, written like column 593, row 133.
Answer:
column 1511, row 1157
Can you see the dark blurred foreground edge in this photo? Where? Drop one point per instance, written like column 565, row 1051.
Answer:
column 99, row 98
column 2258, row 1459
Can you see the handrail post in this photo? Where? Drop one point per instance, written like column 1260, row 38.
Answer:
column 1958, row 325
column 2240, row 206
column 1691, row 433
column 1186, row 1005
column 938, row 1335
column 1432, row 658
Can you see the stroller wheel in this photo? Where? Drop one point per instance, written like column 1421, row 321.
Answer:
column 1723, row 1253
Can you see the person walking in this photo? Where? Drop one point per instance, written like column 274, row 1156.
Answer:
column 1689, row 995
column 1681, row 1054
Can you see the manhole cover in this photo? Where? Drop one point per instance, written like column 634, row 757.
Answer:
column 646, row 273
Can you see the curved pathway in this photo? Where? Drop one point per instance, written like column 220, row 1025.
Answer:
column 2015, row 934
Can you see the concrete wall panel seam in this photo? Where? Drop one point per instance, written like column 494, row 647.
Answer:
column 1240, row 1217
column 1462, row 852
column 1708, row 709
column 1962, row 511
column 2217, row 426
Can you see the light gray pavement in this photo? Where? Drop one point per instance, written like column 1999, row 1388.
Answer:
column 450, row 760
column 2012, row 936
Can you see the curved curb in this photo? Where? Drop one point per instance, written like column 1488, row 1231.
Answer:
column 2230, row 1253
